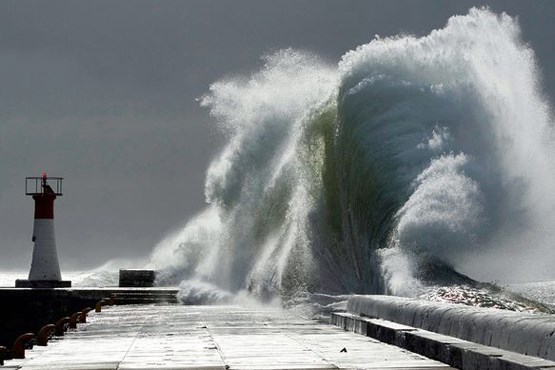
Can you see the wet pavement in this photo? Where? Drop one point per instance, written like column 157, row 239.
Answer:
column 213, row 337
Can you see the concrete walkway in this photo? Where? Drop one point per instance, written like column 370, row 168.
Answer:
column 212, row 337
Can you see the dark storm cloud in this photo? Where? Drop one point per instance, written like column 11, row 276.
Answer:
column 103, row 93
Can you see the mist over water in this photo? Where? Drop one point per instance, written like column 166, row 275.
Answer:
column 357, row 177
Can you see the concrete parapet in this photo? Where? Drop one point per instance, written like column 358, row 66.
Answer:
column 453, row 351
column 524, row 333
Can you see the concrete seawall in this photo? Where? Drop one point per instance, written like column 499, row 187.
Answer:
column 27, row 310
column 528, row 334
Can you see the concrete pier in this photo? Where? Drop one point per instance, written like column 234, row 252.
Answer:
column 213, row 337
column 147, row 330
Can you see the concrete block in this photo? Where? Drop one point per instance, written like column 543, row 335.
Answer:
column 360, row 327
column 530, row 336
column 338, row 319
column 432, row 345
column 447, row 320
column 383, row 333
column 136, row 278
column 515, row 361
column 499, row 327
column 482, row 329
column 434, row 318
column 406, row 313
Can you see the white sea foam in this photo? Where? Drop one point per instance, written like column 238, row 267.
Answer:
column 340, row 178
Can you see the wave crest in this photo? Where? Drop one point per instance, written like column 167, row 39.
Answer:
column 409, row 158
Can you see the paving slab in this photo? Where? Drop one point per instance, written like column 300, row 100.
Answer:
column 134, row 337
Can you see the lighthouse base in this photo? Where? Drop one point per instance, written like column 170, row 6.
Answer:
column 19, row 283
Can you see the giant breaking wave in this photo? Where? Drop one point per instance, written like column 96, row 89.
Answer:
column 411, row 159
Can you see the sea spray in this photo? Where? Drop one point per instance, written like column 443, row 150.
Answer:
column 385, row 173
column 264, row 185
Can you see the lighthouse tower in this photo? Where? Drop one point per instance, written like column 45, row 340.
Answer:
column 45, row 269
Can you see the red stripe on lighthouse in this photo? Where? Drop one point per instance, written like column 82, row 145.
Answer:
column 44, row 206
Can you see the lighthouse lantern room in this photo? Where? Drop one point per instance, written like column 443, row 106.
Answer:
column 45, row 269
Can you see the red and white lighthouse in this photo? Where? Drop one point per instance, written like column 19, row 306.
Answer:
column 45, row 269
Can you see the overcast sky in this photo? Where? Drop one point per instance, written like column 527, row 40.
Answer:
column 103, row 93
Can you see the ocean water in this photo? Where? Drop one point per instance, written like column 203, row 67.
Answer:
column 85, row 278
column 541, row 291
column 412, row 162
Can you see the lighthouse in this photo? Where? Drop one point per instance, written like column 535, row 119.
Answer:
column 45, row 269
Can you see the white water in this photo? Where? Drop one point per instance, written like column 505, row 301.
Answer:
column 344, row 178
